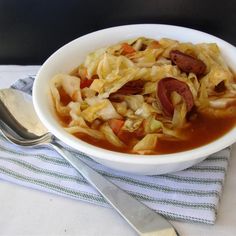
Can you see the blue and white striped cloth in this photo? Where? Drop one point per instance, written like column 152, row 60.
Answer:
column 189, row 195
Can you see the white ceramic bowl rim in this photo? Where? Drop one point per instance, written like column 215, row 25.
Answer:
column 89, row 149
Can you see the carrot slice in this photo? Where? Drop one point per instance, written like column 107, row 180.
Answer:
column 127, row 49
column 116, row 125
column 86, row 83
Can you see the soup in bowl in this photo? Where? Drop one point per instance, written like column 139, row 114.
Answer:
column 146, row 99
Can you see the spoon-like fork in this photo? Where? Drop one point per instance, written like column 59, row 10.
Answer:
column 21, row 126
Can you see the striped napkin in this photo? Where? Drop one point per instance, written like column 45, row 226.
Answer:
column 190, row 195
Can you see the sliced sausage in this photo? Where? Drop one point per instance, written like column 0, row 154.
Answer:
column 187, row 63
column 164, row 89
column 132, row 87
column 220, row 87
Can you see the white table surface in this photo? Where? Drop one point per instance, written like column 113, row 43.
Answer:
column 29, row 212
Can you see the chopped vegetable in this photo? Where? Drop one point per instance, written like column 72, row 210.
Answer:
column 99, row 108
column 147, row 143
column 91, row 132
column 127, row 49
column 110, row 135
column 132, row 124
column 151, row 125
column 86, row 83
column 116, row 125
column 134, row 101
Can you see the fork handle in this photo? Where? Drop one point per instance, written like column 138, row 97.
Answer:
column 144, row 220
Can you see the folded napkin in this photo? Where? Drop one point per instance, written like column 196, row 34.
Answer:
column 190, row 195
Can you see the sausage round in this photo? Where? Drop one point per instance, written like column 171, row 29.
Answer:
column 164, row 89
column 187, row 63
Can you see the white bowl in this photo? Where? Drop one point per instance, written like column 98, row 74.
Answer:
column 72, row 54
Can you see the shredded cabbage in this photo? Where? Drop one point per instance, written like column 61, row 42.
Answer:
column 145, row 110
column 99, row 108
column 132, row 124
column 110, row 136
column 152, row 125
column 148, row 143
column 134, row 101
column 91, row 132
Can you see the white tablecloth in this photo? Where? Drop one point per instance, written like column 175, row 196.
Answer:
column 28, row 212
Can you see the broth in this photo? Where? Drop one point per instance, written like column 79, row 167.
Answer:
column 201, row 131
